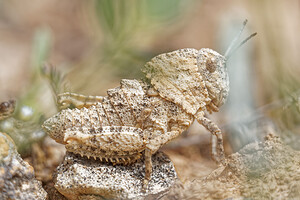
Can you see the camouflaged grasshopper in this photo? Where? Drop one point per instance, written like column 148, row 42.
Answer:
column 140, row 116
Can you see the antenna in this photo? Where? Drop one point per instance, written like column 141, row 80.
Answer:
column 232, row 47
column 237, row 47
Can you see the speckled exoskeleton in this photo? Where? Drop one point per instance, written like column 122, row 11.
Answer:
column 142, row 115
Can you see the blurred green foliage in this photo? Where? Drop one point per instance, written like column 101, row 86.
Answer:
column 124, row 19
column 126, row 24
column 126, row 27
column 24, row 126
column 280, row 79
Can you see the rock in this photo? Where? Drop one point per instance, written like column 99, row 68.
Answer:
column 82, row 178
column 53, row 194
column 261, row 170
column 45, row 157
column 17, row 179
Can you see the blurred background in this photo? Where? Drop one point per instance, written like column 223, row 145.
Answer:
column 51, row 46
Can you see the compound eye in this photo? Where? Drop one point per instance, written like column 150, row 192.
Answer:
column 211, row 65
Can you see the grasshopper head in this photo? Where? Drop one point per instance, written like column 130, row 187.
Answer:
column 212, row 67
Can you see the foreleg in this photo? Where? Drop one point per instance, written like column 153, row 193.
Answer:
column 217, row 139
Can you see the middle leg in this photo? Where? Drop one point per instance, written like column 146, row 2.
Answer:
column 153, row 145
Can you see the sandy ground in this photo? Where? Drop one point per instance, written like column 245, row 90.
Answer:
column 264, row 170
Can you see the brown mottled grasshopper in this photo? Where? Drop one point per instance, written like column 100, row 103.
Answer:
column 141, row 116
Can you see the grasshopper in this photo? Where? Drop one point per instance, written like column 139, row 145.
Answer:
column 140, row 116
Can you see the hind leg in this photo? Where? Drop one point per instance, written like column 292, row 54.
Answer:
column 67, row 100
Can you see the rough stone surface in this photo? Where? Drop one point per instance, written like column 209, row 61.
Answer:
column 82, row 178
column 261, row 170
column 53, row 194
column 17, row 179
